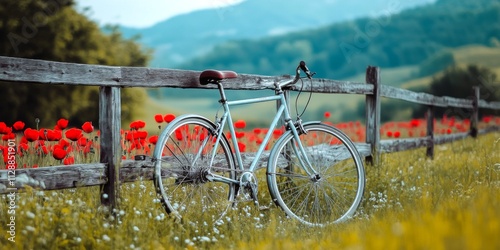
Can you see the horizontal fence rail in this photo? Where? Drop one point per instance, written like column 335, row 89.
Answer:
column 111, row 171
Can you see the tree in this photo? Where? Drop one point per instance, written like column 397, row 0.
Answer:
column 54, row 30
column 458, row 82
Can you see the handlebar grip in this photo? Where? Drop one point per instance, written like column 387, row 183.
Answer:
column 304, row 68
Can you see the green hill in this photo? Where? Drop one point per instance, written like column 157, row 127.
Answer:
column 410, row 47
column 182, row 37
column 342, row 107
column 345, row 49
column 470, row 54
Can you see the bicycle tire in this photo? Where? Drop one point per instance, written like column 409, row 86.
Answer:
column 182, row 167
column 331, row 197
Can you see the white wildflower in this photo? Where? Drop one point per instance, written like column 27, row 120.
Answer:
column 204, row 239
column 30, row 215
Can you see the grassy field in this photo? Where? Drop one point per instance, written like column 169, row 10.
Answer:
column 410, row 202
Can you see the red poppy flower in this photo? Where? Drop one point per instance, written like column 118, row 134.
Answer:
column 240, row 134
column 203, row 136
column 88, row 148
column 69, row 161
column 141, row 135
column 42, row 149
column 487, row 119
column 31, row 134
column 178, row 135
column 63, row 143
column 8, row 136
column 129, row 136
column 334, row 141
column 169, row 117
column 58, row 153
column 241, row 124
column 159, row 118
column 3, row 128
column 389, row 133
column 23, row 147
column 82, row 142
column 242, row 147
column 74, row 134
column 414, row 123
column 6, row 130
column 327, row 114
column 54, row 135
column 257, row 131
column 153, row 139
column 62, row 123
column 87, row 127
column 397, row 134
column 19, row 125
column 277, row 133
column 137, row 125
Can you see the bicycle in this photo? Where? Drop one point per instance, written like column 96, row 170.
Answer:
column 314, row 172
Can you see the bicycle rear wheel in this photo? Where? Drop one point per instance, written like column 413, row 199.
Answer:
column 184, row 163
column 330, row 196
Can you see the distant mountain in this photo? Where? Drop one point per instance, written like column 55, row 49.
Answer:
column 182, row 37
column 344, row 49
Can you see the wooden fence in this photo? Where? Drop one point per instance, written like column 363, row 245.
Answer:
column 111, row 171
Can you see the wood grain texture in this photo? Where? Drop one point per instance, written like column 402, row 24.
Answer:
column 86, row 175
column 111, row 150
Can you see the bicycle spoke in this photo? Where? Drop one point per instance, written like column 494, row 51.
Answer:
column 333, row 193
column 182, row 174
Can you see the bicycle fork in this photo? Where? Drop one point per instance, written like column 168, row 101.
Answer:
column 296, row 145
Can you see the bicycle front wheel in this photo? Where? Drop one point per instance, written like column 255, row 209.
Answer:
column 186, row 159
column 330, row 190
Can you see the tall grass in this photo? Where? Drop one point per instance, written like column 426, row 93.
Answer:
column 411, row 202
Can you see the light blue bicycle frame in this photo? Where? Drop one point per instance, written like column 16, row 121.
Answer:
column 282, row 109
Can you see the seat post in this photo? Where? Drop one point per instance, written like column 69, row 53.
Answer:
column 221, row 92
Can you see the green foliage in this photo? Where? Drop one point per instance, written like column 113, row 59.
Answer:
column 458, row 82
column 54, row 30
column 344, row 49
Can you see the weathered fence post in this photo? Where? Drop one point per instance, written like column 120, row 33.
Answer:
column 373, row 115
column 109, row 125
column 475, row 112
column 430, row 131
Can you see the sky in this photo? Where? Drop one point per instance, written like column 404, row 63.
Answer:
column 144, row 13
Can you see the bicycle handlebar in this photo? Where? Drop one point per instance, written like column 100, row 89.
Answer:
column 302, row 66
